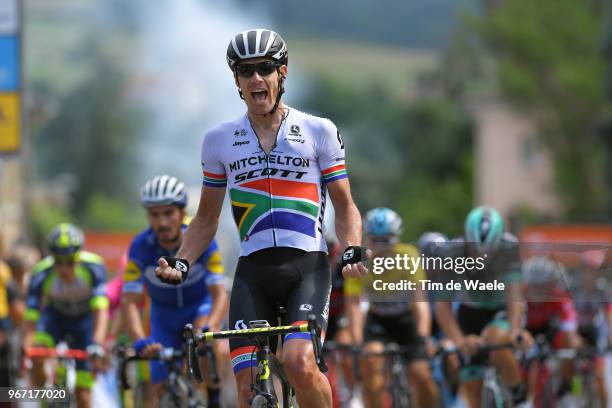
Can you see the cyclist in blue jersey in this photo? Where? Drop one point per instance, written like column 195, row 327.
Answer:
column 202, row 300
column 277, row 164
column 66, row 302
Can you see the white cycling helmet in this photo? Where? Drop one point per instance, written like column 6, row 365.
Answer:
column 256, row 43
column 541, row 269
column 163, row 190
column 429, row 240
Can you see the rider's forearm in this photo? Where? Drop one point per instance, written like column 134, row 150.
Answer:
column 515, row 307
column 29, row 328
column 447, row 321
column 353, row 312
column 423, row 318
column 220, row 304
column 516, row 311
column 17, row 311
column 348, row 219
column 197, row 237
column 348, row 224
column 131, row 317
column 100, row 325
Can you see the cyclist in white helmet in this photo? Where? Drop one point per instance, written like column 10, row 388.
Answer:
column 277, row 164
column 202, row 300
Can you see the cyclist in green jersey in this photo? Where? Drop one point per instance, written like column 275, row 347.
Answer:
column 66, row 302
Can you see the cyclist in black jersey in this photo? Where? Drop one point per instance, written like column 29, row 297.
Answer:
column 277, row 164
column 484, row 316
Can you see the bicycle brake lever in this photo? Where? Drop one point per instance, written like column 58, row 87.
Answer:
column 315, row 332
column 122, row 366
column 192, row 355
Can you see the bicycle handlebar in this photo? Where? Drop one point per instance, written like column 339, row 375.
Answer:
column 167, row 354
column 315, row 334
column 192, row 339
column 75, row 354
column 482, row 349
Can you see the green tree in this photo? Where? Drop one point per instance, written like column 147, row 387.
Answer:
column 550, row 65
column 436, row 188
column 413, row 157
column 93, row 138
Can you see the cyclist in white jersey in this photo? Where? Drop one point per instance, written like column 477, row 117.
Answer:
column 277, row 164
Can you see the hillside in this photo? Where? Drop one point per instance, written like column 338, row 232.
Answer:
column 413, row 23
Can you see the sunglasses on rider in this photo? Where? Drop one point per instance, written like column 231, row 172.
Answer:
column 264, row 68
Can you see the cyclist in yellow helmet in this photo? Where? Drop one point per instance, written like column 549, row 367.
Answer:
column 66, row 302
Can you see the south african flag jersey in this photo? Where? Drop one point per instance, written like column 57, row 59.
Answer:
column 278, row 199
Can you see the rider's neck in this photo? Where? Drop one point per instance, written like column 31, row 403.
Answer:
column 269, row 121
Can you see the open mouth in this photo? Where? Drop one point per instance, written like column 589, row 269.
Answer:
column 259, row 96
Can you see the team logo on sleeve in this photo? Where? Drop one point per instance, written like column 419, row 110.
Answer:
column 132, row 272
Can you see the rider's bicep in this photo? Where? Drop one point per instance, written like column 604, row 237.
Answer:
column 211, row 202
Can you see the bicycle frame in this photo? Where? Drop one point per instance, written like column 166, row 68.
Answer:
column 549, row 360
column 175, row 382
column 66, row 358
column 394, row 367
column 266, row 361
column 491, row 382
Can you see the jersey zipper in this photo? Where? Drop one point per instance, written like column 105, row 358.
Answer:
column 270, row 195
column 282, row 124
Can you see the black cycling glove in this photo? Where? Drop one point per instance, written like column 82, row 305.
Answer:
column 181, row 265
column 354, row 254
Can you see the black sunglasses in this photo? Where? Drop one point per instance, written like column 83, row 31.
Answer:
column 264, row 68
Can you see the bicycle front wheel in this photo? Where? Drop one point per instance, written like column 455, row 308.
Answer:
column 259, row 401
column 494, row 399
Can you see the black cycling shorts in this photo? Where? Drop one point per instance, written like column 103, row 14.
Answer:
column 397, row 329
column 297, row 280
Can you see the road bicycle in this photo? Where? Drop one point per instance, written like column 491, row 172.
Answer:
column 583, row 387
column 494, row 393
column 268, row 366
column 64, row 376
column 178, row 390
column 345, row 393
column 395, row 368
